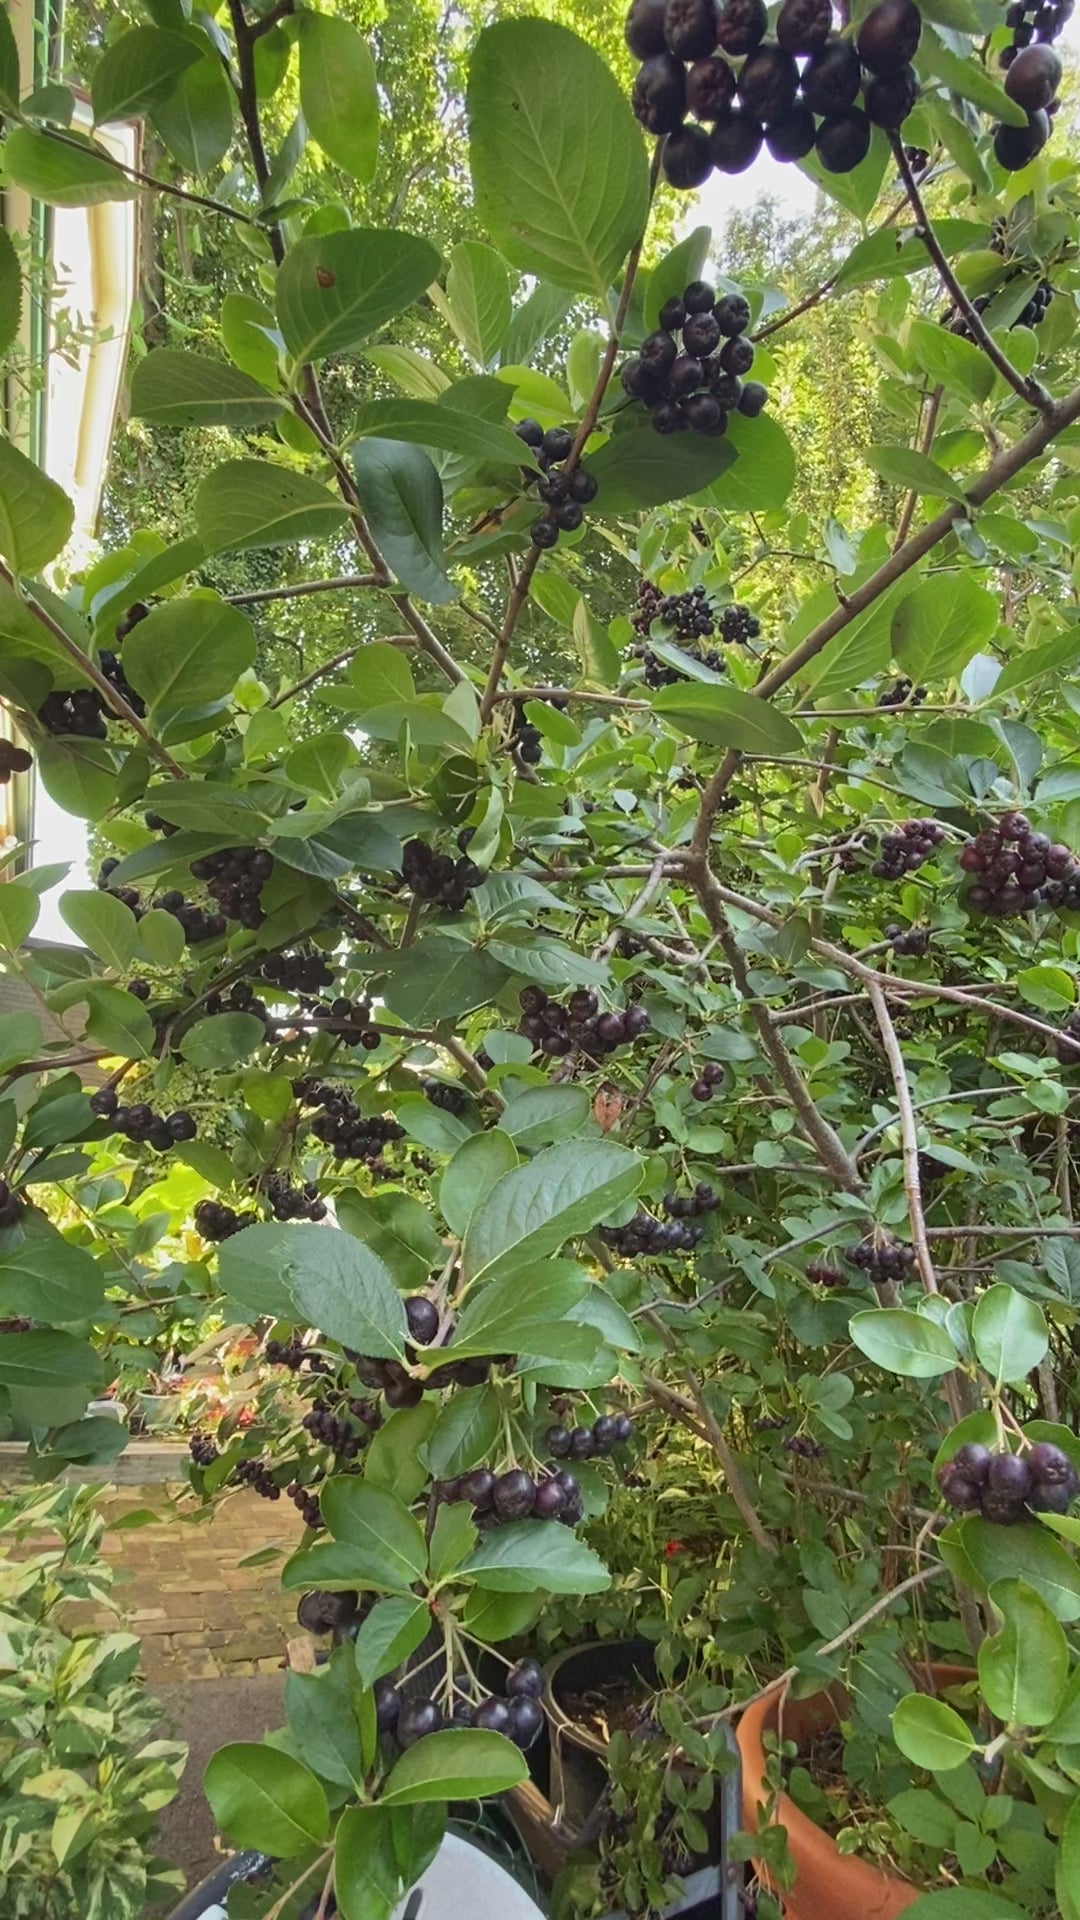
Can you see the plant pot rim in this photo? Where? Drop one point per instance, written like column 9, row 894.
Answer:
column 830, row 1885
column 562, row 1724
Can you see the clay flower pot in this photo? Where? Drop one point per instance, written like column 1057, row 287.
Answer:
column 829, row 1885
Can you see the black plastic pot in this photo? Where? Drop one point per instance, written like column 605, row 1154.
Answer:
column 711, row 1891
column 212, row 1894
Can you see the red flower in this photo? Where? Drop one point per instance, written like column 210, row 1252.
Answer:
column 245, row 1416
column 672, row 1547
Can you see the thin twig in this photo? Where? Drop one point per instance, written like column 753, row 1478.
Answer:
column 924, row 440
column 725, row 1458
column 909, row 1142
column 62, row 139
column 302, row 588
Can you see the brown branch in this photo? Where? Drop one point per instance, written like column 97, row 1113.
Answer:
column 908, row 1136
column 1028, row 388
column 248, row 96
column 924, row 441
column 521, row 694
column 302, row 589
column 147, row 179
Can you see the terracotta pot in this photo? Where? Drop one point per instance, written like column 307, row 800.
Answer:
column 829, row 1885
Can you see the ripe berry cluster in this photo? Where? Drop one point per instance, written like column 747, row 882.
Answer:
column 558, row 1029
column 910, row 941
column 902, row 693
column 738, row 623
column 611, row 1430
column 292, row 1354
column 707, row 1081
column 520, row 1716
column 83, row 711
column 240, row 998
column 1032, row 316
column 699, row 383
column 235, row 878
column 526, row 740
column 307, row 1505
column 645, row 1234
column 691, row 1206
column 203, row 1450
column 11, row 1207
column 770, row 98
column 1032, row 80
column 287, row 1202
column 824, row 1274
column 803, row 1447
column 882, row 1261
column 257, row 1475
column 334, row 1430
column 906, row 850
column 140, row 1124
column 437, row 877
column 13, row 759
column 516, row 1494
column 215, row 1221
column 351, row 1021
column 444, row 1095
column 320, row 1612
column 304, row 973
column 657, row 672
column 689, row 614
column 1018, row 869
column 1068, row 1045
column 198, row 925
column 565, row 495
column 350, row 1134
column 1004, row 1486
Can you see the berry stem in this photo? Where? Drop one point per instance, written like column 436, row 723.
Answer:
column 62, row 139
column 908, row 1138
column 924, row 440
column 1030, row 390
column 520, row 591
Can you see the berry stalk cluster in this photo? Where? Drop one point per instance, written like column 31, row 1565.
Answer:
column 565, row 495
column 140, row 1124
column 1017, row 870
column 1005, row 1486
column 578, row 1026
column 689, row 373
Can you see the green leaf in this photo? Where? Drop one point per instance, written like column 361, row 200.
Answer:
column 857, row 652
column 47, row 1361
column 530, row 1212
column 638, row 468
column 402, row 497
column 559, row 173
column 475, row 1168
column 161, row 938
column 904, row 1342
column 1064, row 1728
column 448, row 428
column 764, row 472
column 334, row 290
column 727, row 717
column 20, row 1038
column 684, row 262
column 195, row 120
column 391, row 1631
column 905, row 467
column 36, row 515
column 1067, row 1877
column 542, row 1116
column 94, row 1442
column 951, row 361
column 931, row 1733
column 10, row 85
column 63, row 173
column 386, row 1543
column 395, row 1458
column 926, row 1817
column 247, row 327
column 80, row 775
column 453, row 1538
column 466, row 1765
column 137, row 69
column 970, row 79
column 188, row 653
column 534, row 321
column 1009, row 1332
column 940, row 624
column 120, row 1023
column 478, row 294
column 398, row 1229
column 1062, row 651
column 171, row 388
column 467, row 1429
column 339, row 96
column 207, row 806
column 265, row 1799
column 410, row 370
column 511, row 1314
column 222, row 1040
column 438, row 979
column 345, row 1290
column 958, row 1903
column 1024, row 1667
column 19, row 909
column 500, row 1616
column 103, row 924
column 322, row 1719
column 51, row 1280
column 10, row 291
column 253, row 503
column 380, row 1852
column 528, row 1554
column 1026, row 1553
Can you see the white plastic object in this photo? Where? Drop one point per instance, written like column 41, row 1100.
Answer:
column 462, row 1880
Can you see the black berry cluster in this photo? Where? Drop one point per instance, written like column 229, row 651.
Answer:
column 215, row 1221
column 13, row 759
column 350, row 1134
column 306, row 1502
column 526, row 740
column 1004, row 1486
column 803, row 1447
column 687, row 47
column 707, row 1081
column 83, row 711
column 1068, row 1045
column 198, row 925
column 1035, row 311
column 445, row 1095
column 910, row 941
column 558, row 1029
column 335, row 1430
column 554, row 1494
column 351, row 1021
column 611, row 1430
column 690, row 615
column 883, row 1261
column 438, row 877
column 738, row 624
column 907, row 849
column 657, row 672
column 239, row 998
column 519, row 1716
column 1017, row 869
column 1032, row 80
column 645, row 1234
column 824, row 1274
column 1031, row 316
column 690, row 372
column 565, row 495
column 139, row 1123
column 918, row 159
column 287, row 1202
column 203, row 1450
column 691, row 1206
column 234, row 879
column 320, row 1612
column 258, row 1476
column 11, row 1207
column 902, row 693
column 292, row 1354
column 305, row 973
